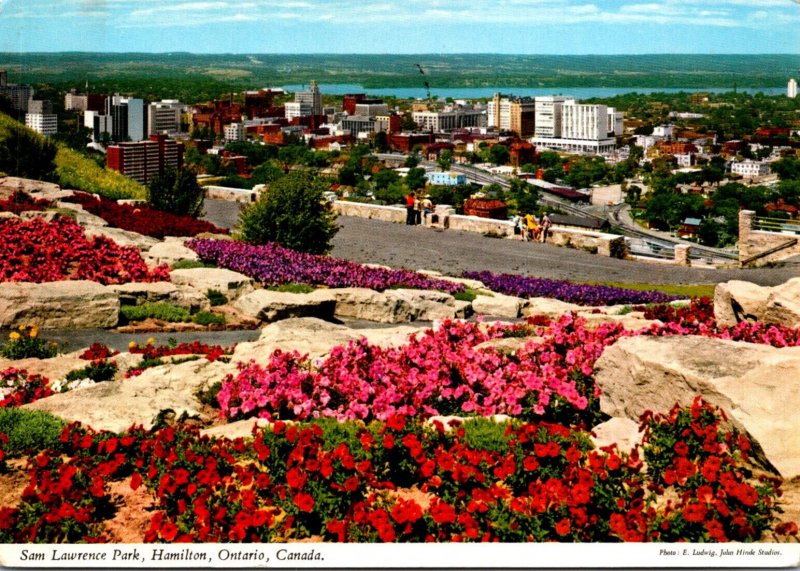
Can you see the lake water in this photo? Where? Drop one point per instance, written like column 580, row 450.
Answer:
column 480, row 92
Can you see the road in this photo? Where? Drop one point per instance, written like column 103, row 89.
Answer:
column 453, row 252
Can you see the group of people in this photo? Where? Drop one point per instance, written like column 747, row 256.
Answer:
column 417, row 208
column 530, row 228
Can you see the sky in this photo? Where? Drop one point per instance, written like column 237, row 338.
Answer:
column 407, row 26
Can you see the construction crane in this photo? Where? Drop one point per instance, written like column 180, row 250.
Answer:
column 425, row 83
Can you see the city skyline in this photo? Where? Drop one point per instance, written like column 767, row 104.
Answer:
column 413, row 26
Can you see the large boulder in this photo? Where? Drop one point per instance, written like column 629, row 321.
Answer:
column 395, row 306
column 752, row 383
column 52, row 369
column 315, row 338
column 169, row 251
column 499, row 305
column 232, row 284
column 736, row 301
column 623, row 432
column 136, row 293
column 73, row 304
column 268, row 306
column 116, row 405
column 122, row 237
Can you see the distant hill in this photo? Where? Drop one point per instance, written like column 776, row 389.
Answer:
column 220, row 73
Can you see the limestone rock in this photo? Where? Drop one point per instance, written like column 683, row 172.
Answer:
column 750, row 382
column 736, row 301
column 269, row 306
column 552, row 308
column 314, row 337
column 394, row 306
column 82, row 217
column 631, row 321
column 507, row 345
column 136, row 293
column 499, row 305
column 783, row 306
column 58, row 305
column 52, row 369
column 169, row 251
column 116, row 405
column 122, row 237
column 46, row 215
column 623, row 432
column 233, row 430
column 232, row 284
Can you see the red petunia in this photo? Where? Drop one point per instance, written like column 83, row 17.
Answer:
column 442, row 512
column 168, row 531
column 304, row 501
column 563, row 527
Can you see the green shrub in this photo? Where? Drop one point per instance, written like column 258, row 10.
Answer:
column 216, row 297
column 29, row 430
column 208, row 395
column 208, row 318
column 24, row 152
column 160, row 311
column 486, row 434
column 98, row 371
column 293, row 213
column 176, row 192
column 293, row 288
column 25, row 343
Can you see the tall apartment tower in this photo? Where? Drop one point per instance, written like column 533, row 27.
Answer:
column 791, row 89
column 129, row 121
column 164, row 117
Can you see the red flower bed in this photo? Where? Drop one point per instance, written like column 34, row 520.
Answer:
column 211, row 352
column 98, row 351
column 141, row 218
column 18, row 387
column 20, row 202
column 482, row 481
column 39, row 251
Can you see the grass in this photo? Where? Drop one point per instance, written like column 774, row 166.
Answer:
column 469, row 294
column 82, row 173
column 191, row 264
column 293, row 288
column 680, row 290
column 168, row 312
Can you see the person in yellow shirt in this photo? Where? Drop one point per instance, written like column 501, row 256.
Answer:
column 533, row 227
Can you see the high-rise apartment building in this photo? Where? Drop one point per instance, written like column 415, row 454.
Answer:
column 564, row 124
column 510, row 113
column 17, row 94
column 43, row 123
column 312, row 98
column 548, row 115
column 128, row 118
column 142, row 160
column 791, row 89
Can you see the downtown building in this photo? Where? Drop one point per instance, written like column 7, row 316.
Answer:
column 143, row 160
column 449, row 119
column 40, row 117
column 562, row 124
column 128, row 118
column 19, row 95
column 164, row 117
column 510, row 113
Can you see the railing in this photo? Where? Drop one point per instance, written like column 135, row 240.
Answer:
column 778, row 225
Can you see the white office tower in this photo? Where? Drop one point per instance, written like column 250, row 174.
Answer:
column 588, row 122
column 311, row 98
column 164, row 117
column 548, row 115
column 791, row 89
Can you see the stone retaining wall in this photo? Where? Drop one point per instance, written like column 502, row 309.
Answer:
column 230, row 194
column 753, row 242
column 595, row 242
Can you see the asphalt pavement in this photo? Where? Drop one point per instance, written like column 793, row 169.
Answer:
column 452, row 252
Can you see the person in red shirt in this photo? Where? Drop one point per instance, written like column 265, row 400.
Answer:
column 410, row 211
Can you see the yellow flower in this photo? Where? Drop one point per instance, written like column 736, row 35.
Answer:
column 151, row 341
column 132, row 345
column 34, row 332
column 14, row 335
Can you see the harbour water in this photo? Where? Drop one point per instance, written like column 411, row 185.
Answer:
column 484, row 92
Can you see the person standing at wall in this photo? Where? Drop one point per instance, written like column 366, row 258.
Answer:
column 410, row 213
column 546, row 223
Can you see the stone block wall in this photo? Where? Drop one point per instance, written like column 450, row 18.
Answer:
column 753, row 242
column 371, row 211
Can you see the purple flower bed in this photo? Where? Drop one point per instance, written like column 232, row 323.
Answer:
column 524, row 286
column 274, row 265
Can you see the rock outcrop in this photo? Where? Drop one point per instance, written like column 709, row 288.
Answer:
column 232, row 284
column 395, row 306
column 737, row 301
column 116, row 405
column 754, row 384
column 58, row 305
column 136, row 293
column 268, row 306
column 499, row 305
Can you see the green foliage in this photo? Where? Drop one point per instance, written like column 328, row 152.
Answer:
column 524, row 195
column 191, row 264
column 208, row 318
column 293, row 214
column 469, row 294
column 415, row 179
column 788, row 168
column 25, row 343
column 208, row 395
column 216, row 297
column 486, row 434
column 80, row 172
column 293, row 288
column 161, row 311
column 395, row 193
column 29, row 430
column 25, row 153
column 97, row 371
column 176, row 192
column 586, row 171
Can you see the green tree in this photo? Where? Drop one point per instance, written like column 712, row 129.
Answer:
column 394, row 193
column 709, row 232
column 383, row 178
column 266, row 173
column 381, row 142
column 176, row 192
column 293, row 214
column 524, row 195
column 788, row 168
column 499, row 155
column 412, row 161
column 415, row 179
column 444, row 160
